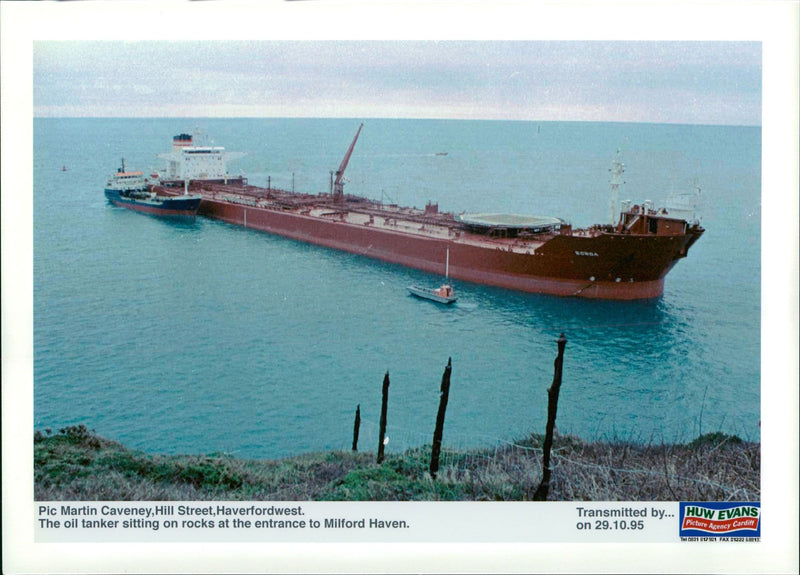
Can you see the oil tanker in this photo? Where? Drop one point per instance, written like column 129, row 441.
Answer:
column 626, row 260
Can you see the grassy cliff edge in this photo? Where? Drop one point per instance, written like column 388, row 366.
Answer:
column 76, row 464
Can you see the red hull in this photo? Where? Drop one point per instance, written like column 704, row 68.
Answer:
column 631, row 267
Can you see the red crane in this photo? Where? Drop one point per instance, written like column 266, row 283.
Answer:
column 338, row 183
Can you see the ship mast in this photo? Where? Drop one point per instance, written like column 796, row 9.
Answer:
column 338, row 183
column 617, row 169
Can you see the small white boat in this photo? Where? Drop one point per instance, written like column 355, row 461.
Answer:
column 443, row 294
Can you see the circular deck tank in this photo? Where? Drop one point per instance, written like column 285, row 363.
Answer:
column 509, row 225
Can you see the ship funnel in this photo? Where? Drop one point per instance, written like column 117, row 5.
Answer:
column 181, row 141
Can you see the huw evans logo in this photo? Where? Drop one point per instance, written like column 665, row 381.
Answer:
column 720, row 519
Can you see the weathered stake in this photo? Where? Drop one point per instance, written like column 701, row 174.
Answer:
column 384, row 406
column 356, row 426
column 444, row 393
column 552, row 407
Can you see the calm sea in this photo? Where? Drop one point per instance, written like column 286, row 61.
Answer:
column 204, row 337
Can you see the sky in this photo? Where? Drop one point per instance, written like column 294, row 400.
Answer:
column 685, row 82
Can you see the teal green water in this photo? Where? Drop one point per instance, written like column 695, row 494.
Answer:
column 201, row 337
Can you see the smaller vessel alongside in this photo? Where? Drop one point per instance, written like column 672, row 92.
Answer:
column 131, row 190
column 443, row 294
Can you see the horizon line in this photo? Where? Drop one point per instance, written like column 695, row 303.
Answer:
column 423, row 118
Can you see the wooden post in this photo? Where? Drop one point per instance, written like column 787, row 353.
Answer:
column 384, row 406
column 356, row 426
column 552, row 407
column 444, row 393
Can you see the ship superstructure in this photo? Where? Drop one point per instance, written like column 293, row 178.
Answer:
column 189, row 161
column 626, row 259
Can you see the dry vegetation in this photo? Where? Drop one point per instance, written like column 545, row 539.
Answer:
column 76, row 464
